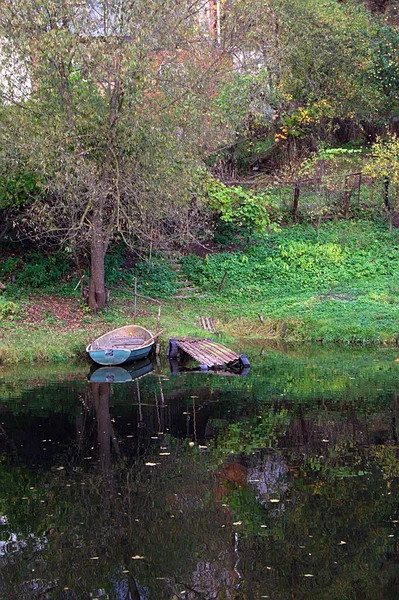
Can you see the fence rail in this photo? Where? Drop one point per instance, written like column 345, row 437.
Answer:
column 334, row 195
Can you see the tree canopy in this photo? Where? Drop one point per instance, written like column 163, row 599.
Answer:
column 110, row 108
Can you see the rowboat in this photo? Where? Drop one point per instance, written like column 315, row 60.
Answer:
column 121, row 345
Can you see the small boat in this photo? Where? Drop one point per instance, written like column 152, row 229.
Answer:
column 121, row 345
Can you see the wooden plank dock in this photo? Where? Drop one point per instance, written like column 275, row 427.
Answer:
column 210, row 354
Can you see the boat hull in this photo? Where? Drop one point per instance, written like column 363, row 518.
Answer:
column 118, row 356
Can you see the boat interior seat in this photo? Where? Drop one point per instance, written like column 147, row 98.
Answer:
column 126, row 341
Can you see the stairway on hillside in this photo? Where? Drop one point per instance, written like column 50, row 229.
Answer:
column 185, row 290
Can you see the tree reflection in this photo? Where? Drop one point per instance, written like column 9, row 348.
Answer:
column 287, row 500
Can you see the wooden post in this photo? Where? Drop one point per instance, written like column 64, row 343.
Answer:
column 347, row 196
column 297, row 191
column 386, row 182
column 159, row 318
column 221, row 284
column 158, row 342
column 135, row 299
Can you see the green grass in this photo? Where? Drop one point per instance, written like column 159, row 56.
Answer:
column 341, row 286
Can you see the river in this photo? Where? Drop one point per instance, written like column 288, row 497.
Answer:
column 142, row 485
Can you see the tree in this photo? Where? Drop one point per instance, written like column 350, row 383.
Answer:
column 383, row 166
column 317, row 70
column 109, row 108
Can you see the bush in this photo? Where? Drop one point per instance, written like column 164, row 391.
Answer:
column 43, row 272
column 8, row 309
column 10, row 266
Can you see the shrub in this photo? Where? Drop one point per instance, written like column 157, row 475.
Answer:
column 10, row 266
column 8, row 309
column 41, row 272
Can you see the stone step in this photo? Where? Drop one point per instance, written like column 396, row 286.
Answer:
column 192, row 291
column 184, row 283
column 190, row 297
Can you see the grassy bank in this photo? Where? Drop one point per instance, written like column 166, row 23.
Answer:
column 338, row 285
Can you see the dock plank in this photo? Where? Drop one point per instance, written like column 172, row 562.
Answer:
column 207, row 352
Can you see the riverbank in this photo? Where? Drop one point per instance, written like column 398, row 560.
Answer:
column 52, row 328
column 338, row 285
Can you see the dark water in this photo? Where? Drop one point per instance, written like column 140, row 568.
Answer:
column 282, row 484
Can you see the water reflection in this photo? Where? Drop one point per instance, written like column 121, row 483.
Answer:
column 282, row 484
column 120, row 374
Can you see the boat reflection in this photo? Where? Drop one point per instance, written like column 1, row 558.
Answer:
column 132, row 371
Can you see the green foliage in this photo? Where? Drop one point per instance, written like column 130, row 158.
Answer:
column 155, row 278
column 296, row 260
column 384, row 161
column 335, row 161
column 244, row 98
column 41, row 272
column 252, row 434
column 340, row 286
column 17, row 189
column 327, row 57
column 303, row 120
column 8, row 309
column 113, row 264
column 385, row 72
column 240, row 207
column 10, row 266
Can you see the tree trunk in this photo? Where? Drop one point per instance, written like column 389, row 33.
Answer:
column 97, row 292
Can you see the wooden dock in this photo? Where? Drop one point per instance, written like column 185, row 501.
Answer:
column 210, row 354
